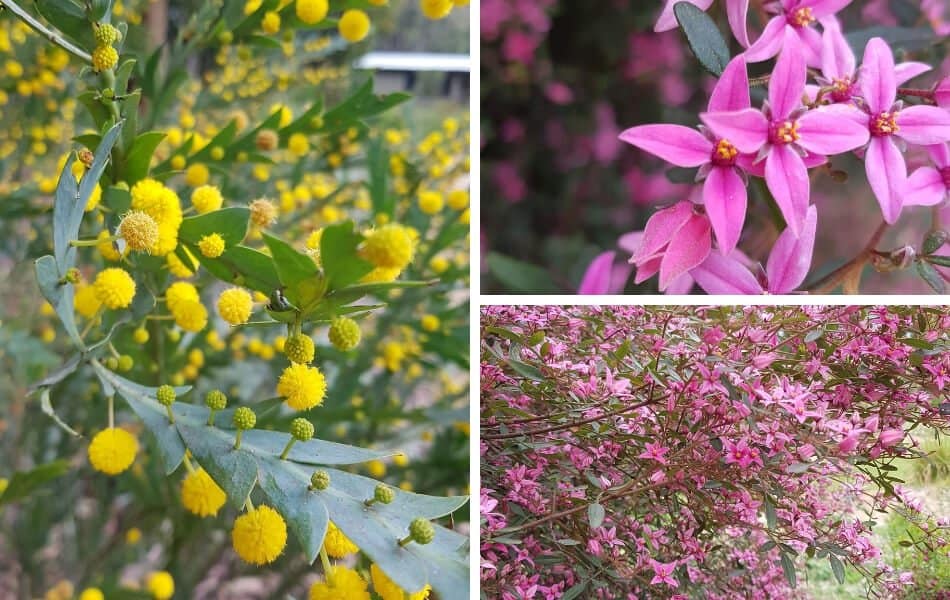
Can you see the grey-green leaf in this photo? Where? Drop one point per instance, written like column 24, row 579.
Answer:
column 836, row 567
column 234, row 470
column 313, row 452
column 703, row 37
column 596, row 515
column 305, row 512
column 60, row 296
column 788, row 567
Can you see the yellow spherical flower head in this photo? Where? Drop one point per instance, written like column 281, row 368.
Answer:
column 201, row 495
column 430, row 202
column 302, row 387
column 458, row 199
column 179, row 292
column 190, row 315
column 92, row 594
column 271, row 22
column 299, row 349
column 430, row 322
column 114, row 288
column 197, row 175
column 206, row 198
column 343, row 584
column 263, row 212
column 234, row 305
column 160, row 585
column 162, row 204
column 298, row 145
column 87, row 302
column 312, row 12
column 139, row 230
column 344, row 333
column 211, row 245
column 112, row 451
column 337, row 544
column 106, row 246
column 94, row 198
column 381, row 275
column 259, row 535
column 104, row 58
column 353, row 25
column 177, row 267
column 388, row 590
column 389, row 247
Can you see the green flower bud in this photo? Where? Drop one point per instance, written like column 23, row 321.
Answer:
column 320, row 480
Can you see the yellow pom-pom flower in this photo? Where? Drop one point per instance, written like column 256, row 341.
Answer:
column 201, row 495
column 94, row 198
column 430, row 202
column 353, row 25
column 337, row 544
column 458, row 199
column 179, row 292
column 312, row 12
column 87, row 303
column 115, row 288
column 190, row 315
column 211, row 245
column 160, row 585
column 178, row 268
column 343, row 584
column 139, row 230
column 104, row 58
column 271, row 22
column 436, row 9
column 259, row 535
column 234, row 305
column 92, row 594
column 388, row 590
column 197, row 175
column 389, row 246
column 112, row 451
column 263, row 212
column 106, row 247
column 303, row 387
column 206, row 198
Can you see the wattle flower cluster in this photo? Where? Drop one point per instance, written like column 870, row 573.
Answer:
column 646, row 452
column 807, row 121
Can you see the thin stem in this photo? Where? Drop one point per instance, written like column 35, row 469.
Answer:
column 327, row 567
column 237, row 439
column 248, row 505
column 51, row 35
column 188, row 465
column 405, row 541
column 915, row 93
column 171, row 417
column 92, row 321
column 211, row 418
column 111, row 404
column 93, row 242
column 838, row 276
column 290, row 444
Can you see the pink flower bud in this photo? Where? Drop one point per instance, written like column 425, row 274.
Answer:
column 890, row 437
column 848, row 444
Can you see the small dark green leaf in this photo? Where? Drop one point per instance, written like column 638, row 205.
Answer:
column 229, row 223
column 929, row 274
column 942, row 261
column 292, row 265
column 771, row 519
column 836, row 567
column 24, row 483
column 338, row 257
column 377, row 159
column 703, row 37
column 575, row 590
column 788, row 567
column 935, row 241
column 139, row 156
column 519, row 276
column 243, row 266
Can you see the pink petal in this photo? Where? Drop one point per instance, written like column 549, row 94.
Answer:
column 732, row 89
column 667, row 19
column 925, row 187
column 887, row 174
column 724, row 275
column 769, row 43
column 924, row 125
column 791, row 256
column 680, row 286
column 689, row 247
column 597, row 277
column 660, row 229
column 824, row 8
column 629, row 242
column 833, row 129
column 725, row 197
column 737, row 12
column 787, row 178
column 747, row 129
column 648, row 269
column 809, row 39
column 878, row 81
column 787, row 85
column 681, row 146
column 940, row 153
column 837, row 58
column 906, row 71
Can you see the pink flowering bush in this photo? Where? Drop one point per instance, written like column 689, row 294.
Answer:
column 814, row 160
column 671, row 452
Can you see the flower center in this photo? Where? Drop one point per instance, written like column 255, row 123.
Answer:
column 724, row 154
column 785, row 132
column 801, row 17
column 841, row 89
column 884, row 124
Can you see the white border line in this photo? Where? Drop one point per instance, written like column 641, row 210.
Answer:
column 475, row 274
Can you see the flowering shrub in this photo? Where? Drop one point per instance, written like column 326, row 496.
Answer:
column 671, row 452
column 804, row 94
column 273, row 289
